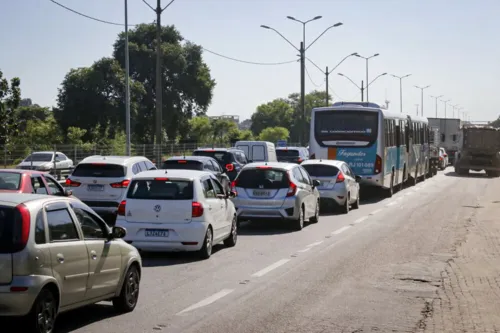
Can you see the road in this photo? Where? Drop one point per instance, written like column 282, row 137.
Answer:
column 379, row 269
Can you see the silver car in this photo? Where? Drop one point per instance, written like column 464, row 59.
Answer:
column 56, row 255
column 339, row 186
column 273, row 190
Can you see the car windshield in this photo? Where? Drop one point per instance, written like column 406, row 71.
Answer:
column 39, row 157
column 321, row 170
column 263, row 179
column 160, row 189
column 10, row 181
column 99, row 170
column 182, row 165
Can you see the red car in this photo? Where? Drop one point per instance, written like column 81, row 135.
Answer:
column 30, row 181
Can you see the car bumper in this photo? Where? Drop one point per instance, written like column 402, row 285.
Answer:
column 288, row 211
column 19, row 303
column 337, row 197
column 181, row 236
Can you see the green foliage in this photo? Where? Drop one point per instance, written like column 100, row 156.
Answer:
column 200, row 129
column 273, row 134
column 10, row 97
column 495, row 123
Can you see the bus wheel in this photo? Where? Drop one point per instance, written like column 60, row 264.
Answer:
column 402, row 185
column 390, row 191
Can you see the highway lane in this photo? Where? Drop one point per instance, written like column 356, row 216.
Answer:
column 371, row 269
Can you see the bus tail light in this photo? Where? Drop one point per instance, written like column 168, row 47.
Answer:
column 378, row 165
column 340, row 178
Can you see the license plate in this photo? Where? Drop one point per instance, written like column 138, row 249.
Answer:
column 156, row 233
column 94, row 187
column 262, row 193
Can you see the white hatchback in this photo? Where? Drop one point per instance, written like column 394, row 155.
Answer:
column 177, row 210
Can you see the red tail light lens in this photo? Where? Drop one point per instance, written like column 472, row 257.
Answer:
column 340, row 178
column 123, row 184
column 300, row 160
column 71, row 183
column 121, row 208
column 229, row 167
column 440, row 158
column 21, row 231
column 234, row 183
column 445, row 155
column 292, row 189
column 197, row 209
column 378, row 165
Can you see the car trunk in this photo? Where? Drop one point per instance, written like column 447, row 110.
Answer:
column 159, row 200
column 326, row 174
column 264, row 187
column 8, row 231
column 99, row 181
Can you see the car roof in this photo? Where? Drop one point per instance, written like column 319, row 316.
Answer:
column 9, row 199
column 192, row 158
column 287, row 148
column 274, row 165
column 174, row 173
column 122, row 160
column 222, row 150
column 335, row 163
column 45, row 152
column 21, row 171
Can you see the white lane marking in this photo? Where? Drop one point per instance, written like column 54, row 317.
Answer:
column 269, row 268
column 409, row 193
column 341, row 230
column 314, row 244
column 391, row 203
column 360, row 219
column 305, row 250
column 208, row 300
column 376, row 211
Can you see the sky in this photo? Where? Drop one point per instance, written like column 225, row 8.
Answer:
column 451, row 45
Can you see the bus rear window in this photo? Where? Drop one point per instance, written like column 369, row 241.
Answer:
column 346, row 126
column 318, row 170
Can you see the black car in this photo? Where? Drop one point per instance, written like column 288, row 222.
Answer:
column 292, row 154
column 231, row 159
column 202, row 163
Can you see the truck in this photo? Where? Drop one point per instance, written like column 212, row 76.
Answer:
column 433, row 151
column 449, row 134
column 480, row 150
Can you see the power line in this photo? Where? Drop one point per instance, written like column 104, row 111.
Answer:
column 204, row 49
column 310, row 79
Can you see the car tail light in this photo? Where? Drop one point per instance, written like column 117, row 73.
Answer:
column 264, row 167
column 197, row 209
column 22, row 224
column 71, row 183
column 440, row 158
column 182, row 161
column 123, row 184
column 121, row 208
column 229, row 167
column 445, row 155
column 292, row 189
column 340, row 178
column 378, row 165
column 300, row 160
column 162, row 179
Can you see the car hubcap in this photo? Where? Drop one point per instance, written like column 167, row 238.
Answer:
column 234, row 230
column 46, row 313
column 209, row 241
column 132, row 288
column 317, row 210
column 301, row 218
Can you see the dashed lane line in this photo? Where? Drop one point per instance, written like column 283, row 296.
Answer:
column 207, row 301
column 341, row 230
column 361, row 219
column 269, row 268
column 314, row 244
column 304, row 250
column 376, row 211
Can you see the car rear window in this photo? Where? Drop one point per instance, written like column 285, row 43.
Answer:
column 221, row 156
column 182, row 165
column 10, row 180
column 7, row 229
column 287, row 152
column 321, row 170
column 164, row 189
column 99, row 170
column 263, row 179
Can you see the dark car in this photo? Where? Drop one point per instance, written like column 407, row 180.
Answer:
column 30, row 181
column 202, row 163
column 292, row 154
column 231, row 159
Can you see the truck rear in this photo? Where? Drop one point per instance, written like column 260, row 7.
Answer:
column 480, row 151
column 449, row 134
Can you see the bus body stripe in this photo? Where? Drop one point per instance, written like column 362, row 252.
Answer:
column 332, row 153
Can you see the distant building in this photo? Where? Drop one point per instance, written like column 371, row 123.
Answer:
column 235, row 119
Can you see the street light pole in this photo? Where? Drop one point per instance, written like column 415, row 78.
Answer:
column 400, row 90
column 127, row 86
column 445, row 102
column 437, row 97
column 422, row 98
column 360, row 88
column 367, row 58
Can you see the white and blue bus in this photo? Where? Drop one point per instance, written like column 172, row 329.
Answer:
column 374, row 142
column 418, row 148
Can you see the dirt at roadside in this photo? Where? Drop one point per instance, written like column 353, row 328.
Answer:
column 468, row 298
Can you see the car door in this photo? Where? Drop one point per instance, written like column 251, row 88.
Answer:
column 311, row 198
column 355, row 184
column 104, row 255
column 53, row 187
column 225, row 214
column 350, row 181
column 305, row 191
column 68, row 253
column 214, row 206
column 221, row 176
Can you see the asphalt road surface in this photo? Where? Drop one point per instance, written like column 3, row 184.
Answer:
column 377, row 269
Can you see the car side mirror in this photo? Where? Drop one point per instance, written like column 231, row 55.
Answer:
column 68, row 193
column 118, row 232
column 231, row 194
column 358, row 179
column 316, row 183
column 221, row 196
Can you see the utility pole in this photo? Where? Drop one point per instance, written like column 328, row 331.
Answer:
column 327, row 74
column 159, row 97
column 417, row 108
column 400, row 90
column 422, row 98
column 445, row 102
column 362, row 91
column 127, row 86
column 303, row 92
column 437, row 97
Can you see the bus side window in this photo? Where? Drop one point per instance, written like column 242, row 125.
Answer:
column 398, row 134
column 386, row 133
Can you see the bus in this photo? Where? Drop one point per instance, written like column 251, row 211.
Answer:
column 418, row 148
column 372, row 140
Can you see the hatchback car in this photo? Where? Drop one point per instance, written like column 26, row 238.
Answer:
column 274, row 190
column 339, row 187
column 56, row 255
column 101, row 181
column 231, row 159
column 30, row 182
column 177, row 210
column 292, row 154
column 201, row 163
column 443, row 159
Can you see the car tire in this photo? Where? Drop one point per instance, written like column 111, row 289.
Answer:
column 315, row 218
column 299, row 223
column 355, row 205
column 43, row 314
column 233, row 236
column 129, row 294
column 345, row 208
column 206, row 250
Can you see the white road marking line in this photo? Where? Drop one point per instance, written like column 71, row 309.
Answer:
column 360, row 219
column 269, row 268
column 391, row 203
column 314, row 244
column 208, row 300
column 376, row 211
column 341, row 230
column 305, row 250
column 409, row 193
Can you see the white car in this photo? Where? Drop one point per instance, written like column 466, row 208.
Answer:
column 443, row 159
column 46, row 161
column 177, row 210
column 101, row 181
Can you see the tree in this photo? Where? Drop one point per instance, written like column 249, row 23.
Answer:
column 275, row 113
column 10, row 97
column 186, row 80
column 221, row 128
column 200, row 129
column 273, row 134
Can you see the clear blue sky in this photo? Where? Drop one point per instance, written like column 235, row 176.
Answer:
column 449, row 44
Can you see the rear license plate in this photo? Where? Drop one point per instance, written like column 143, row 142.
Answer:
column 262, row 193
column 94, row 187
column 156, row 233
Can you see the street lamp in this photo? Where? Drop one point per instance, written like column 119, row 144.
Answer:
column 369, row 84
column 367, row 58
column 422, row 98
column 400, row 90
column 362, row 89
column 437, row 97
column 454, row 107
column 302, row 51
column 445, row 102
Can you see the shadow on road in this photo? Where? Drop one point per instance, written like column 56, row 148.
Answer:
column 266, row 228
column 79, row 318
column 157, row 259
column 470, row 175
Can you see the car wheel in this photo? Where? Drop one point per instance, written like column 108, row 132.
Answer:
column 315, row 218
column 299, row 223
column 345, row 208
column 233, row 236
column 206, row 249
column 129, row 294
column 42, row 317
column 356, row 204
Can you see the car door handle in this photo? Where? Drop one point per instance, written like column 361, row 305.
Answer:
column 60, row 258
column 93, row 255
column 209, row 207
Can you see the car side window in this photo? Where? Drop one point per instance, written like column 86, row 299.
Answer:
column 150, row 166
column 345, row 170
column 217, row 187
column 54, row 187
column 207, row 165
column 298, row 175
column 136, row 168
column 61, row 157
column 91, row 227
column 61, row 226
column 216, row 166
column 38, row 185
column 208, row 188
column 305, row 175
column 40, row 237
